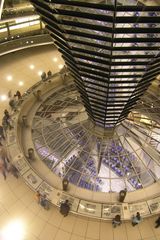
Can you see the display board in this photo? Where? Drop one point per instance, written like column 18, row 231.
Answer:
column 111, row 210
column 90, row 208
column 32, row 179
column 45, row 188
column 20, row 163
column 140, row 207
column 154, row 205
column 74, row 202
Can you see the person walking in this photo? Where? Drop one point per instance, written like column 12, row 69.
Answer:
column 14, row 171
column 6, row 114
column 13, row 103
column 6, row 120
column 3, row 170
column 2, row 137
column 3, row 155
column 136, row 219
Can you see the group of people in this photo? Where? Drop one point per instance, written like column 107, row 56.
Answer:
column 5, row 165
column 116, row 221
column 43, row 201
column 13, row 102
column 65, row 209
column 136, row 219
column 6, row 121
column 46, row 76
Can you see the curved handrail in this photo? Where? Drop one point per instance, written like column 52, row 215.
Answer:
column 36, row 181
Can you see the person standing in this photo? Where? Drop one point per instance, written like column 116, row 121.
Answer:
column 136, row 219
column 122, row 195
column 116, row 221
column 43, row 76
column 44, row 202
column 49, row 74
column 157, row 222
column 38, row 197
column 65, row 208
column 6, row 114
column 18, row 94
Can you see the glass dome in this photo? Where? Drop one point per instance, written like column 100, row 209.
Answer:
column 69, row 143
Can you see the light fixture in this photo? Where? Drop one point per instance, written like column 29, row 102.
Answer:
column 31, row 41
column 13, row 231
column 27, row 42
column 9, row 78
column 60, row 66
column 21, row 83
column 55, row 59
column 40, row 73
column 3, row 97
column 31, row 66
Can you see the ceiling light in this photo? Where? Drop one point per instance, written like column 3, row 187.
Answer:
column 31, row 66
column 40, row 73
column 21, row 83
column 9, row 78
column 3, row 97
column 13, row 230
column 60, row 66
column 31, row 41
column 55, row 59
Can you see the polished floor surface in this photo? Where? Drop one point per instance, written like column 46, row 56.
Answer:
column 17, row 200
column 22, row 69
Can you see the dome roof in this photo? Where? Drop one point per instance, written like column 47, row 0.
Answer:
column 72, row 147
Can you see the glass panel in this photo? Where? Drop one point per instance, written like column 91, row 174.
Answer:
column 155, row 169
column 117, row 185
column 102, row 184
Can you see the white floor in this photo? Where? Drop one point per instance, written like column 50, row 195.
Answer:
column 22, row 69
column 17, row 201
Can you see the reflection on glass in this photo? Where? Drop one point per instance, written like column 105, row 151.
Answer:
column 66, row 142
